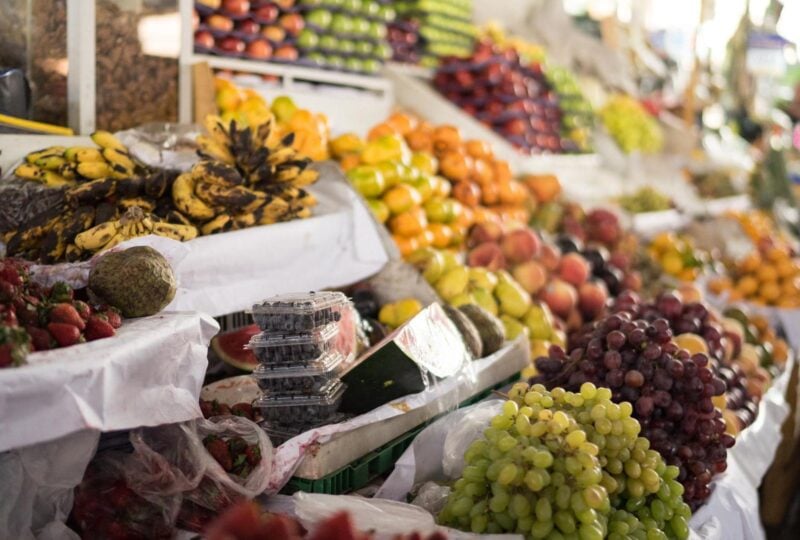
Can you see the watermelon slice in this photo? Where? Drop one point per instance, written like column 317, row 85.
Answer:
column 230, row 347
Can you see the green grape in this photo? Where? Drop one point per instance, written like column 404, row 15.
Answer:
column 564, row 521
column 520, row 505
column 543, row 510
column 506, row 443
column 505, row 521
column 541, row 529
column 479, row 523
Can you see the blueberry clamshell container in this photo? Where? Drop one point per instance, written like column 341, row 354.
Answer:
column 308, row 380
column 294, row 350
column 299, row 312
column 301, row 410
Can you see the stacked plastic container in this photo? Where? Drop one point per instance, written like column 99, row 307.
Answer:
column 299, row 362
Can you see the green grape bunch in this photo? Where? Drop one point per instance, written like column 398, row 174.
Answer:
column 564, row 465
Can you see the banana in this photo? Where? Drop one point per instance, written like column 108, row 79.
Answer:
column 119, row 161
column 47, row 152
column 68, row 171
column 289, row 173
column 98, row 236
column 81, row 154
column 186, row 201
column 221, row 223
column 53, row 247
column 271, row 211
column 281, row 155
column 92, row 191
column 53, row 179
column 27, row 171
column 242, row 221
column 104, row 139
column 218, row 173
column 213, row 150
column 305, row 178
column 51, row 163
column 216, row 128
column 145, row 204
column 237, row 198
column 95, row 170
column 115, row 241
column 181, row 233
column 73, row 253
column 175, row 217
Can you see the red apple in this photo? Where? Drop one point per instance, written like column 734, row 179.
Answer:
column 259, row 49
column 292, row 23
column 275, row 34
column 249, row 26
column 574, row 269
column 267, row 14
column 204, row 38
column 549, row 256
column 520, row 245
column 560, row 297
column 231, row 44
column 286, row 52
column 219, row 22
column 531, row 275
column 484, row 232
column 592, row 297
column 236, row 7
column 487, row 255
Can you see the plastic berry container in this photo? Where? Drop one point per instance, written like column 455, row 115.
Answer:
column 299, row 312
column 301, row 410
column 305, row 381
column 280, row 433
column 294, row 350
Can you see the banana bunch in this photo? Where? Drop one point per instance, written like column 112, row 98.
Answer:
column 59, row 166
column 133, row 223
column 247, row 177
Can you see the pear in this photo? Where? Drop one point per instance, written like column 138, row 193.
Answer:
column 388, row 315
column 462, row 299
column 406, row 309
column 514, row 300
column 453, row 283
column 450, row 260
column 428, row 261
column 539, row 322
column 513, row 327
column 539, row 348
column 482, row 278
column 485, row 299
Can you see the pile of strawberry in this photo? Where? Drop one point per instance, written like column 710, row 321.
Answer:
column 233, row 454
column 36, row 318
column 215, row 408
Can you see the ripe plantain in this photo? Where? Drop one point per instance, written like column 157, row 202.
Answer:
column 186, row 201
column 175, row 231
column 145, row 204
column 97, row 237
column 211, row 149
column 53, row 179
column 221, row 223
column 120, row 161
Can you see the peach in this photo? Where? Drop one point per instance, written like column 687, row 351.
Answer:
column 531, row 275
column 633, row 282
column 559, row 296
column 487, row 255
column 549, row 256
column 620, row 260
column 603, row 226
column 574, row 320
column 520, row 245
column 592, row 297
column 484, row 232
column 574, row 269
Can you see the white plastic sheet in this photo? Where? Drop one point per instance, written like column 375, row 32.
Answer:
column 150, row 373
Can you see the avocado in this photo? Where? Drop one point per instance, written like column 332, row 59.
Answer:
column 489, row 327
column 470, row 334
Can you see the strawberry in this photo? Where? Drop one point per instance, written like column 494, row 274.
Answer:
column 14, row 346
column 64, row 334
column 40, row 338
column 97, row 328
column 113, row 316
column 206, row 408
column 61, row 292
column 6, row 355
column 7, row 291
column 10, row 274
column 253, row 455
column 83, row 309
column 243, row 409
column 8, row 316
column 120, row 495
column 219, row 451
column 27, row 314
column 66, row 313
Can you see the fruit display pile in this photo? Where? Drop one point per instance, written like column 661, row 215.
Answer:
column 346, row 36
column 35, row 318
column 678, row 256
column 631, row 125
column 511, row 97
column 427, row 30
column 246, row 176
column 563, row 463
column 645, row 199
column 249, row 108
column 427, row 183
column 766, row 277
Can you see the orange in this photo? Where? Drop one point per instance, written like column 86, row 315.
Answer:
column 770, row 292
column 544, row 187
column 776, row 254
column 446, row 137
column 402, row 198
column 465, row 217
column 786, row 268
column 467, row 193
column 350, row 161
column 502, row 171
column 720, row 284
column 490, row 194
column 453, row 164
column 486, row 215
column 750, row 263
column 687, row 274
column 734, row 295
column 409, row 223
column 481, row 172
column 478, row 149
column 407, row 246
column 401, row 122
column 512, row 192
column 379, row 131
column 789, row 287
column 425, row 239
column 442, row 234
column 420, row 141
column 767, row 273
column 747, row 285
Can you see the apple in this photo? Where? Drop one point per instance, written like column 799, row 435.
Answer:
column 531, row 275
column 371, row 66
column 259, row 49
column 204, row 38
column 341, row 24
column 249, row 26
column 328, row 42
column 481, row 233
column 371, row 8
column 307, row 39
column 346, row 46
column 236, row 8
column 364, row 48
column 559, row 296
column 292, row 23
column 231, row 44
column 316, row 57
column 377, row 30
column 520, row 245
column 592, row 297
column 353, row 64
column 383, row 51
column 360, row 25
column 351, row 5
column 334, row 61
column 219, row 22
column 275, row 34
column 574, row 269
column 267, row 14
column 321, row 18
column 286, row 52
column 487, row 255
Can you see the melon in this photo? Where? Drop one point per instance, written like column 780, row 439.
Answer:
column 230, row 347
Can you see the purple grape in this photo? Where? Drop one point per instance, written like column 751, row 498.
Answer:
column 615, row 340
column 634, row 379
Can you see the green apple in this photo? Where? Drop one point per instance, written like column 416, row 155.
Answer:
column 328, row 42
column 283, row 108
column 371, row 8
column 341, row 24
column 387, row 13
column 367, row 180
column 334, row 61
column 307, row 39
column 377, row 30
column 361, row 26
column 320, row 18
column 351, row 5
column 371, row 66
column 364, row 48
column 334, row 3
column 317, row 57
column 346, row 46
column 311, row 2
column 383, row 51
column 354, row 64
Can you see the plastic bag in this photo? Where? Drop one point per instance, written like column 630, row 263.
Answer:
column 106, row 506
column 468, row 429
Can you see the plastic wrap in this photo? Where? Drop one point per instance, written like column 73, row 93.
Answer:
column 24, row 200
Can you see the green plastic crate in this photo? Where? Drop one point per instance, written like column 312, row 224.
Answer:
column 380, row 461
